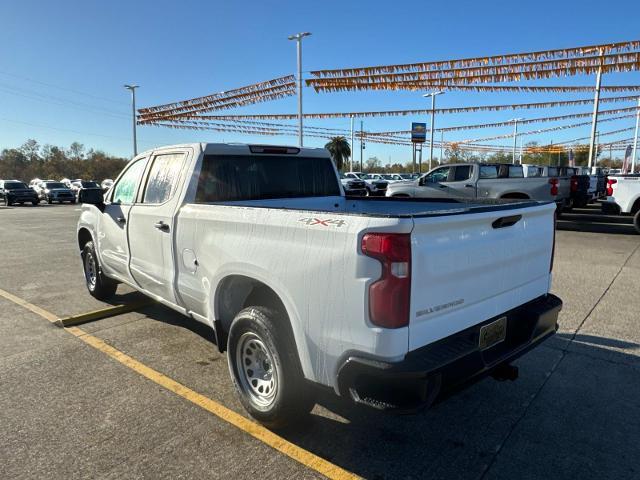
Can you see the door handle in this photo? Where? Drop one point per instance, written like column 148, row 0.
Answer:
column 121, row 220
column 468, row 185
column 163, row 227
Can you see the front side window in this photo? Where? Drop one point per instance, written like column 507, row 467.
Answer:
column 163, row 177
column 255, row 177
column 125, row 190
column 438, row 175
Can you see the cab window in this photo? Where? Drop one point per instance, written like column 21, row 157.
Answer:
column 438, row 175
column 462, row 173
column 163, row 178
column 124, row 191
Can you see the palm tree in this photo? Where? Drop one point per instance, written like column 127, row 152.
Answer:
column 339, row 149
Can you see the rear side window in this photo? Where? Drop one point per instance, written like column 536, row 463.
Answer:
column 488, row 171
column 462, row 173
column 254, row 177
column 534, row 171
column 553, row 172
column 163, row 177
column 515, row 171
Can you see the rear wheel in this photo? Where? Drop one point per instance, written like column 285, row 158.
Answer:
column 99, row 286
column 636, row 221
column 265, row 369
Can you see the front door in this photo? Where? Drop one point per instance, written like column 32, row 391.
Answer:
column 112, row 233
column 460, row 181
column 151, row 225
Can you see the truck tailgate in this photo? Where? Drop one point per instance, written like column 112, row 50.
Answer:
column 471, row 267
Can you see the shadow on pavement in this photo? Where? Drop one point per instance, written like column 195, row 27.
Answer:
column 458, row 438
column 591, row 219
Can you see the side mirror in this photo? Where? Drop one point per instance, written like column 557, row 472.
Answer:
column 92, row 197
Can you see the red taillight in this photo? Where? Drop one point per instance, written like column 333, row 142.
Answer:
column 574, row 184
column 389, row 296
column 554, row 186
column 610, row 183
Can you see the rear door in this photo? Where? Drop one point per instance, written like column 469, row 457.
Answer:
column 467, row 269
column 151, row 224
column 460, row 181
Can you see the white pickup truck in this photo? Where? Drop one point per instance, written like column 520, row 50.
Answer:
column 623, row 196
column 389, row 302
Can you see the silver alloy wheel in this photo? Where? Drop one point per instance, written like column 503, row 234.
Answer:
column 90, row 270
column 257, row 374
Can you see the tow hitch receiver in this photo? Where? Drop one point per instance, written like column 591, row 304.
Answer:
column 505, row 371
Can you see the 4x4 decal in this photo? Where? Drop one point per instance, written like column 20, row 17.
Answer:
column 329, row 222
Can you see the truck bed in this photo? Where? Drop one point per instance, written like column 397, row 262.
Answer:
column 387, row 207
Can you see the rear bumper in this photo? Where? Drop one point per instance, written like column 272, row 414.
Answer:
column 449, row 364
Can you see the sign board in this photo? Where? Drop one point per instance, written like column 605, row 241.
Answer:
column 418, row 132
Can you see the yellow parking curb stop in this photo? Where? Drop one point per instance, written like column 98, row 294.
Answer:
column 102, row 313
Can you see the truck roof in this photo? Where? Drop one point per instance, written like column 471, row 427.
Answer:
column 246, row 149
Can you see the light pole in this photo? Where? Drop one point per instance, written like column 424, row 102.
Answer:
column 635, row 140
column 594, row 117
column 298, row 38
column 515, row 137
column 352, row 147
column 433, row 112
column 133, row 87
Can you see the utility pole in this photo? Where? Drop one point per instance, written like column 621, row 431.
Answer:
column 133, row 113
column 594, row 118
column 433, row 114
column 635, row 140
column 298, row 38
column 352, row 147
column 515, row 138
column 441, row 145
column 361, row 143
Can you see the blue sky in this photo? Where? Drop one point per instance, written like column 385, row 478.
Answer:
column 63, row 64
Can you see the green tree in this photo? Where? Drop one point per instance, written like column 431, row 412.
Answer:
column 340, row 150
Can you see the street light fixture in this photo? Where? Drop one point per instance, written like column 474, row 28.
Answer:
column 433, row 111
column 515, row 137
column 298, row 38
column 133, row 87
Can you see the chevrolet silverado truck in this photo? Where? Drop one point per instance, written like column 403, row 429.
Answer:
column 623, row 197
column 476, row 180
column 390, row 303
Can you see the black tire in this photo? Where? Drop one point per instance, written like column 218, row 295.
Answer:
column 35, row 203
column 49, row 201
column 7, row 202
column 260, row 340
column 99, row 286
column 636, row 221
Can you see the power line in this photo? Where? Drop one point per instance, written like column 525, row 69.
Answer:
column 62, row 88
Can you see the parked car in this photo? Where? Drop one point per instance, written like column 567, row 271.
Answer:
column 391, row 304
column 474, row 180
column 78, row 185
column 353, row 187
column 623, row 197
column 51, row 191
column 106, row 184
column 15, row 191
column 374, row 186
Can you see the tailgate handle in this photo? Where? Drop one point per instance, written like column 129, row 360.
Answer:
column 506, row 221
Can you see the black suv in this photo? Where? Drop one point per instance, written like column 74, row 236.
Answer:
column 15, row 191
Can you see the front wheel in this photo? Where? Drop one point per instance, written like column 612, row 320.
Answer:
column 7, row 202
column 636, row 221
column 49, row 201
column 99, row 286
column 265, row 369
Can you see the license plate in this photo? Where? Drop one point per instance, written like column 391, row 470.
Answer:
column 493, row 333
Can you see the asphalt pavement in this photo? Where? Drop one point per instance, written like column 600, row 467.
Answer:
column 68, row 411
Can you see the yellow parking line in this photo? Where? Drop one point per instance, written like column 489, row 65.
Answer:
column 257, row 431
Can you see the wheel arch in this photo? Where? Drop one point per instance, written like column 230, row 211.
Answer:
column 235, row 292
column 516, row 195
column 635, row 207
column 84, row 237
